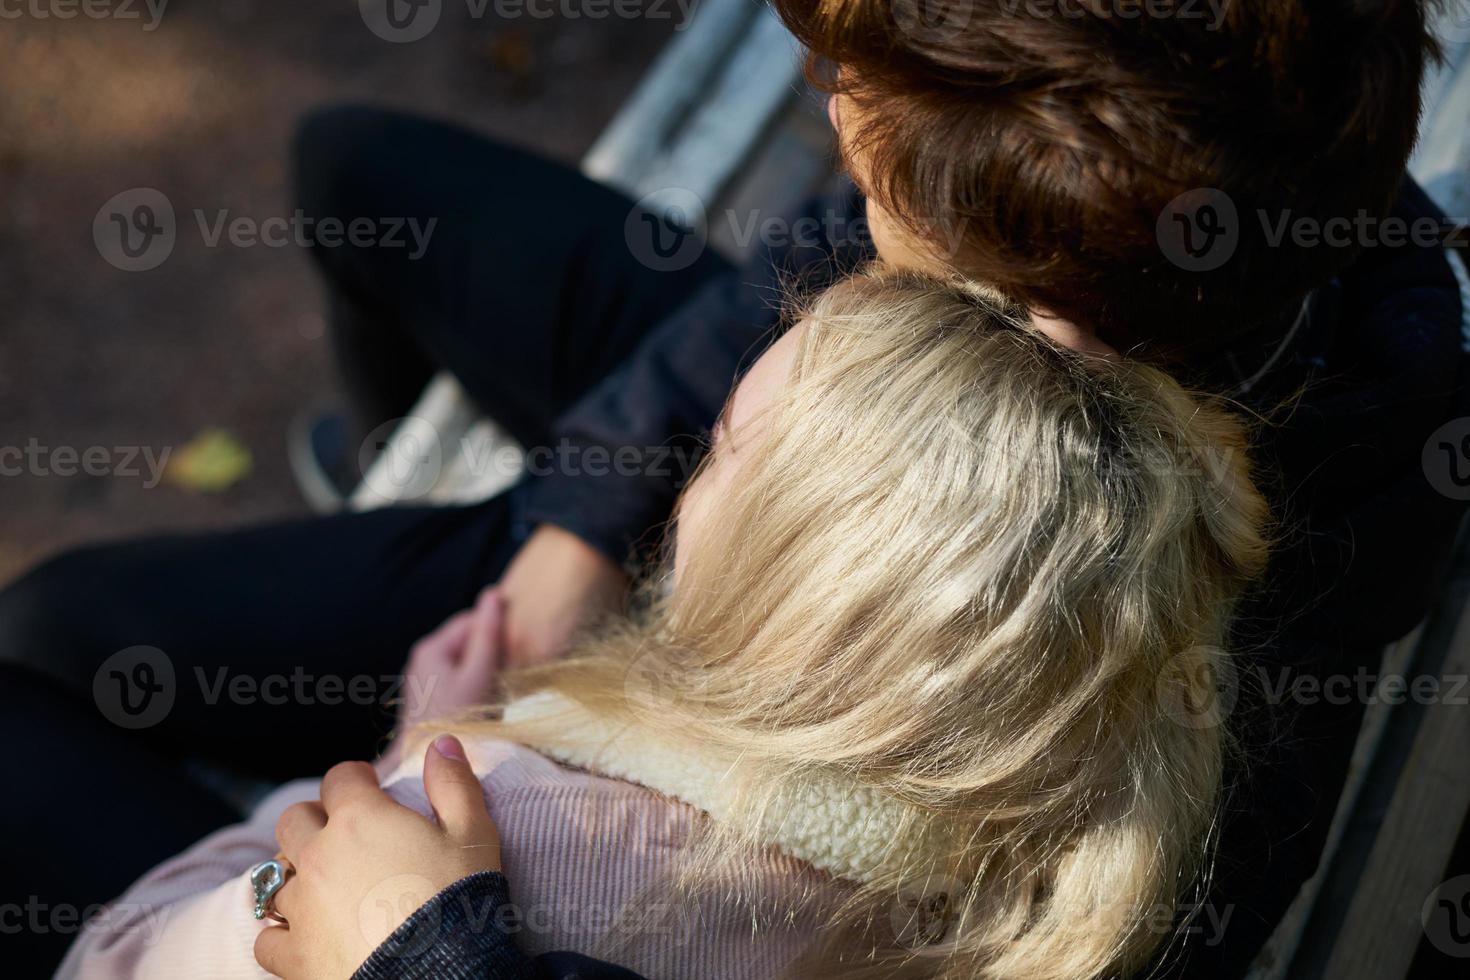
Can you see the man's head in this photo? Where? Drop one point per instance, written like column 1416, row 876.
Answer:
column 1039, row 144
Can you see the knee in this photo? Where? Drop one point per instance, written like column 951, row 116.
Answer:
column 335, row 150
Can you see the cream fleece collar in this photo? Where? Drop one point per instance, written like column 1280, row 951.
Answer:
column 834, row 824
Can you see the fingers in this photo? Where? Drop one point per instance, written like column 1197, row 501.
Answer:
column 445, row 642
column 284, row 902
column 298, row 824
column 276, row 954
column 349, row 783
column 482, row 647
column 484, row 650
column 457, row 798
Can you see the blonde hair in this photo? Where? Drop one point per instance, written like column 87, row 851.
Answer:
column 979, row 574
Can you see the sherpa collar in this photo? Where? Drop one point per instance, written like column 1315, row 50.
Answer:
column 834, row 824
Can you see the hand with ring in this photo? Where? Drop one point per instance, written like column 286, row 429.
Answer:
column 356, row 865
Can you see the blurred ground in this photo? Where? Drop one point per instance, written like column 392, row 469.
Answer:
column 202, row 108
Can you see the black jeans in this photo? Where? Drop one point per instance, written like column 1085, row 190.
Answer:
column 291, row 635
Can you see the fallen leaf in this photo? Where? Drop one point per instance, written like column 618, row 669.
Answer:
column 211, row 462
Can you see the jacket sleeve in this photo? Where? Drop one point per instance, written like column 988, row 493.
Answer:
column 626, row 449
column 466, row 933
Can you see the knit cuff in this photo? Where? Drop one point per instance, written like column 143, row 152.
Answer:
column 453, row 936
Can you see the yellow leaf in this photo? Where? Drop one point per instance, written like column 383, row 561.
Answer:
column 211, row 462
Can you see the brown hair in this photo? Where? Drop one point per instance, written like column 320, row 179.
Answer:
column 1047, row 139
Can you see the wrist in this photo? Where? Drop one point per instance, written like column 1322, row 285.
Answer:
column 578, row 551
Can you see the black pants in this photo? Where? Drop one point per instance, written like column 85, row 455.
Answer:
column 292, row 633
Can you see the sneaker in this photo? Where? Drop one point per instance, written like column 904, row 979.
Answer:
column 319, row 449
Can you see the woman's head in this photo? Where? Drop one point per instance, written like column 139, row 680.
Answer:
column 943, row 557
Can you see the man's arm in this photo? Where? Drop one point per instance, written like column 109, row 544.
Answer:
column 647, row 420
column 443, row 941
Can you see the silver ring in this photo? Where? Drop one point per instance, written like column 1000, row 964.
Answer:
column 267, row 878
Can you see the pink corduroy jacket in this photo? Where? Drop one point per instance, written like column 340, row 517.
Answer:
column 585, row 857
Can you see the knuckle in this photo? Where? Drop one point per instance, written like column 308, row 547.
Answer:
column 288, row 817
column 336, row 772
column 309, row 859
column 268, row 949
column 344, row 771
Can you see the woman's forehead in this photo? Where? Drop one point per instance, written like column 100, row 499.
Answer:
column 767, row 376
